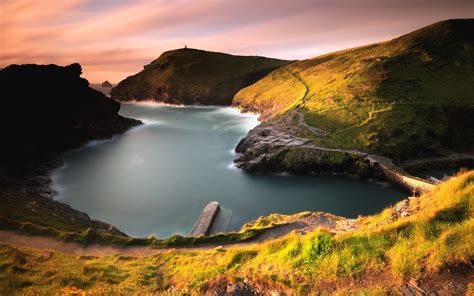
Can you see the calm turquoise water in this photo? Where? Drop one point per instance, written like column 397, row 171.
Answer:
column 156, row 178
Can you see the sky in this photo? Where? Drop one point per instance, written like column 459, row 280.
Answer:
column 113, row 39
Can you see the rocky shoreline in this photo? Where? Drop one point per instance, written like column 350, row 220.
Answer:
column 28, row 188
column 30, row 192
column 270, row 147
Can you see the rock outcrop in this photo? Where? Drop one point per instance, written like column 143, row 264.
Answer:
column 56, row 111
column 271, row 147
column 107, row 84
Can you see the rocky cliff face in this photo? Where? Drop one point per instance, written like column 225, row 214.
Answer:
column 107, row 84
column 272, row 148
column 47, row 109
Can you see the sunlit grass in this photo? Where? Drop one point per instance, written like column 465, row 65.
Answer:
column 439, row 233
column 388, row 98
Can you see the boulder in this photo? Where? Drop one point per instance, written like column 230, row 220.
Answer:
column 107, row 84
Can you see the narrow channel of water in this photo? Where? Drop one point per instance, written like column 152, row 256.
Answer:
column 156, row 178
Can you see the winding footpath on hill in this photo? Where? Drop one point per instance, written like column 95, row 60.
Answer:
column 42, row 242
column 295, row 111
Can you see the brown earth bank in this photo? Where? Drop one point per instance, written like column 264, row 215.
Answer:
column 452, row 280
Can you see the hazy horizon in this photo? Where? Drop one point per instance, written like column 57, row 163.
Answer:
column 113, row 39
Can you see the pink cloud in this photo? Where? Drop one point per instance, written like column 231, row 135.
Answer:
column 114, row 39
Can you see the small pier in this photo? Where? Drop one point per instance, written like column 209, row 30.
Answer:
column 205, row 220
column 399, row 177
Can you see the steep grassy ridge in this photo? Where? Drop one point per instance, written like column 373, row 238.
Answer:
column 191, row 76
column 411, row 96
column 428, row 246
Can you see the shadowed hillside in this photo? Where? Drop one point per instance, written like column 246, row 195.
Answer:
column 408, row 97
column 48, row 109
column 191, row 76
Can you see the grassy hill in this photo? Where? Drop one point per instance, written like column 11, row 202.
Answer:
column 423, row 243
column 407, row 97
column 403, row 98
column 191, row 76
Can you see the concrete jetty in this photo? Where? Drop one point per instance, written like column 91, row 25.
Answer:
column 396, row 175
column 205, row 220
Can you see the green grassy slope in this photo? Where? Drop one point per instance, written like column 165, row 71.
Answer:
column 411, row 96
column 191, row 76
column 432, row 245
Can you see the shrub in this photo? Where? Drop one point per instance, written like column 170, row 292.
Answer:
column 295, row 248
column 349, row 264
column 241, row 257
column 404, row 259
column 318, row 247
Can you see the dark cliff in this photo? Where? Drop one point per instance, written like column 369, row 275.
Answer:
column 47, row 109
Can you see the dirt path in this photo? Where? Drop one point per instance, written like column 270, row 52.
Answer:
column 302, row 224
column 313, row 130
column 298, row 77
column 18, row 240
column 40, row 242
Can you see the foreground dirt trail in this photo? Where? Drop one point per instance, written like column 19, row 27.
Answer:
column 302, row 224
column 39, row 242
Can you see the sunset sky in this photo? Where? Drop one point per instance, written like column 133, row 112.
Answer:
column 113, row 39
